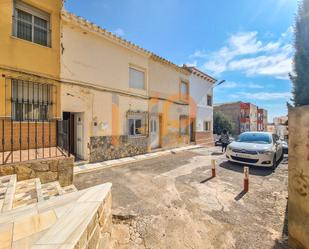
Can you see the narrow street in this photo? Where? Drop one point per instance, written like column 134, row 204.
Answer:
column 172, row 202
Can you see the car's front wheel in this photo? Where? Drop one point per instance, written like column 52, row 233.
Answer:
column 274, row 162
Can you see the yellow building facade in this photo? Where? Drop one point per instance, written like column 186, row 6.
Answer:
column 29, row 74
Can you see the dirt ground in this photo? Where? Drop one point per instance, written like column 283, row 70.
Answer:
column 171, row 202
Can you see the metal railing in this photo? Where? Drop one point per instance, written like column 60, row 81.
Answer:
column 31, row 132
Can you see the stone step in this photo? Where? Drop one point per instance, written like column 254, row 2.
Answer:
column 69, row 189
column 53, row 189
column 7, row 190
column 15, row 194
column 26, row 193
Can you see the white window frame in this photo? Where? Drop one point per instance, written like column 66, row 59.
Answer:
column 34, row 12
column 134, row 127
column 211, row 100
column 139, row 71
column 184, row 96
column 207, row 124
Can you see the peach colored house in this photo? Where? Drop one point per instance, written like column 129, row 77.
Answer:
column 120, row 99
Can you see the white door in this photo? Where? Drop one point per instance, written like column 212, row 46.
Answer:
column 154, row 132
column 79, row 136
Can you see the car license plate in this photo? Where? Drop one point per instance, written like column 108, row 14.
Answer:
column 243, row 156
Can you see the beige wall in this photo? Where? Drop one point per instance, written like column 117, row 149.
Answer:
column 164, row 80
column 299, row 177
column 98, row 69
column 91, row 58
column 95, row 75
column 97, row 107
column 164, row 83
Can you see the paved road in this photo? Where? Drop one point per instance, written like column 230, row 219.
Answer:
column 171, row 202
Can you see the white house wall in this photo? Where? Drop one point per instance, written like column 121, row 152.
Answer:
column 199, row 89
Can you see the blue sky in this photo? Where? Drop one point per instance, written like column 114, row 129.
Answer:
column 246, row 42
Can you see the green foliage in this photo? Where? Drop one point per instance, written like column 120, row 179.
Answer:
column 300, row 78
column 221, row 122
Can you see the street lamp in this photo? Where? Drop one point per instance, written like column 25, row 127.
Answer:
column 219, row 83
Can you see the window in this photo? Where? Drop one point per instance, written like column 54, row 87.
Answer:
column 153, row 126
column 184, row 90
column 254, row 138
column 31, row 101
column 207, row 125
column 136, row 78
column 135, row 127
column 209, row 100
column 183, row 125
column 31, row 24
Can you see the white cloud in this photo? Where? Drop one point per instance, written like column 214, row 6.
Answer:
column 262, row 95
column 119, row 32
column 245, row 52
column 190, row 64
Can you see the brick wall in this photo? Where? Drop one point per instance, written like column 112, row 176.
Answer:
column 24, row 131
column 204, row 137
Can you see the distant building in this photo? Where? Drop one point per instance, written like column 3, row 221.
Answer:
column 244, row 116
column 280, row 127
column 262, row 120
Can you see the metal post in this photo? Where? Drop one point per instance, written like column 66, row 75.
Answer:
column 21, row 117
column 43, row 132
column 2, row 141
column 28, row 118
column 213, row 169
column 36, row 124
column 69, row 137
column 56, row 138
column 48, row 118
column 246, row 179
column 12, row 124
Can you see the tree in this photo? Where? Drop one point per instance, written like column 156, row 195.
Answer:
column 300, row 78
column 221, row 122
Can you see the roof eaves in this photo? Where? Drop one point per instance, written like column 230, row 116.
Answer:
column 97, row 29
column 200, row 74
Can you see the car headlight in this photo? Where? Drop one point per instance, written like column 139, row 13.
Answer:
column 266, row 152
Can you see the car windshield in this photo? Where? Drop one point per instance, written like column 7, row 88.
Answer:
column 258, row 138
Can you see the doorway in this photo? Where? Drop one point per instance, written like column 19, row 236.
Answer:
column 76, row 134
column 154, row 132
column 192, row 130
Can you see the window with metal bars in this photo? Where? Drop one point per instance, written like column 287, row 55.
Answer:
column 31, row 24
column 31, row 101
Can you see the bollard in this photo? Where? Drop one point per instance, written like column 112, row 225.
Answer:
column 246, row 179
column 213, row 169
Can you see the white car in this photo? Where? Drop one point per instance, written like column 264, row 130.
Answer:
column 256, row 148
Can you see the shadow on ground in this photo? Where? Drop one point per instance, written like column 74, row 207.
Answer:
column 240, row 195
column 258, row 171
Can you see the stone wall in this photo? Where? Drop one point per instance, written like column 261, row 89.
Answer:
column 98, row 232
column 48, row 170
column 298, row 212
column 104, row 148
